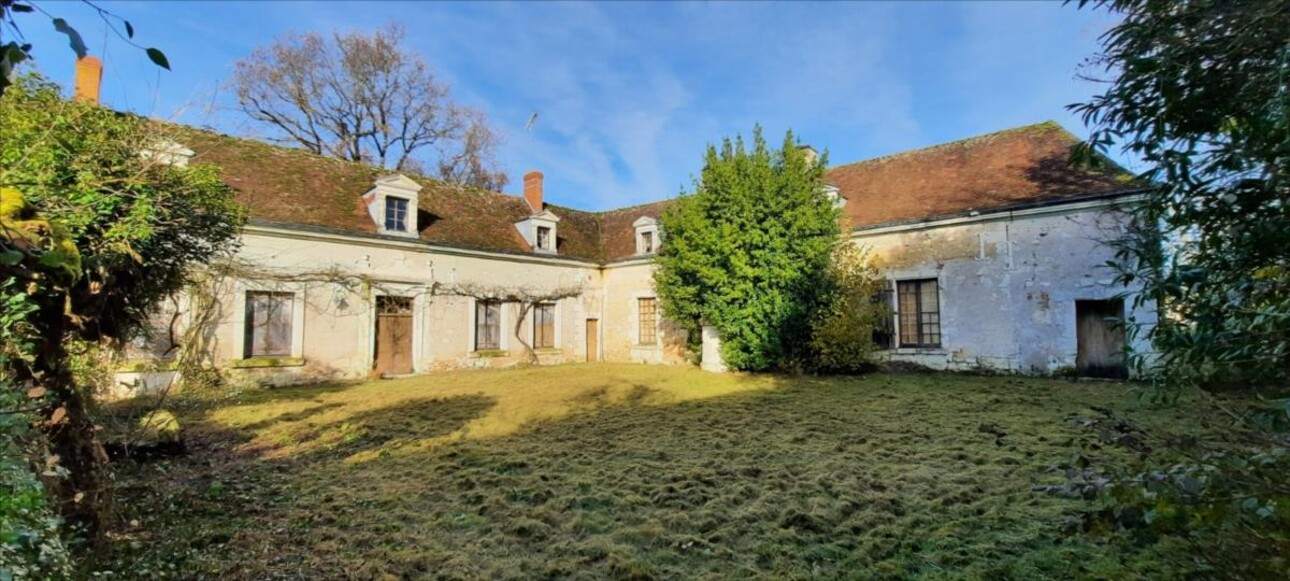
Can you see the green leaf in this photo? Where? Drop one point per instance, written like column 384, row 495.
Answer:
column 74, row 39
column 158, row 58
column 22, row 8
column 10, row 257
column 12, row 54
column 129, row 30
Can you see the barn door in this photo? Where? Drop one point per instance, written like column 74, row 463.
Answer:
column 393, row 335
column 1100, row 338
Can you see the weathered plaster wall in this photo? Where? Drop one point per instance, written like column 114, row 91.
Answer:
column 335, row 322
column 624, row 284
column 1008, row 284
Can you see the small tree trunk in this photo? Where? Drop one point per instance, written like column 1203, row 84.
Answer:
column 82, row 494
column 529, row 354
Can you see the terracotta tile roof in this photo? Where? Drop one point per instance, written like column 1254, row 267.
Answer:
column 1022, row 165
column 290, row 186
column 618, row 234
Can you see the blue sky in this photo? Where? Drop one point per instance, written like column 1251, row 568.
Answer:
column 628, row 94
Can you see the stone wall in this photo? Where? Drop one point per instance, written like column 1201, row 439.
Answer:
column 1008, row 283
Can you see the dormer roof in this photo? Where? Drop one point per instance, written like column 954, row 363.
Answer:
column 399, row 181
column 545, row 215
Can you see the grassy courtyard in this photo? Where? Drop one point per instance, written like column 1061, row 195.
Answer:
column 624, row 471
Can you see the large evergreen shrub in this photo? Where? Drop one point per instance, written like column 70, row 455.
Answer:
column 747, row 250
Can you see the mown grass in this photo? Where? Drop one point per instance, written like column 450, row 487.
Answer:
column 626, row 471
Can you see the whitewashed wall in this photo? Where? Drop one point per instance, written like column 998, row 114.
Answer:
column 1008, row 282
column 335, row 322
column 624, row 284
column 1008, row 285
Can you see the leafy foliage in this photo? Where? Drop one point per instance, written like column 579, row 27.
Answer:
column 363, row 97
column 94, row 236
column 16, row 52
column 1201, row 96
column 130, row 226
column 747, row 250
column 1200, row 93
column 842, row 329
column 31, row 545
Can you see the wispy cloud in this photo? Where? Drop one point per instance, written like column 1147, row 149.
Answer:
column 629, row 94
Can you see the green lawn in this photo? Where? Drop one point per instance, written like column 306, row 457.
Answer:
column 625, row 471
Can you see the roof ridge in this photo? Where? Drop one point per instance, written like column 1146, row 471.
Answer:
column 1048, row 125
column 633, row 206
column 380, row 171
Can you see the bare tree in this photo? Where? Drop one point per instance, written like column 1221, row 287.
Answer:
column 363, row 98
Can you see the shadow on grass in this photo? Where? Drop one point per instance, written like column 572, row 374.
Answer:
column 298, row 416
column 867, row 477
column 281, row 394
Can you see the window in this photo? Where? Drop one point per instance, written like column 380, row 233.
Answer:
column 648, row 309
column 647, row 235
column 544, row 326
column 543, row 238
column 647, row 242
column 488, row 325
column 920, row 313
column 396, row 214
column 268, row 324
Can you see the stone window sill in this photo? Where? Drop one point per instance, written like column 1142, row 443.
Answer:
column 490, row 353
column 268, row 361
column 917, row 351
column 146, row 365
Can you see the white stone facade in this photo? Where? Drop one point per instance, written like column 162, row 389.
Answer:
column 1007, row 285
column 1007, row 282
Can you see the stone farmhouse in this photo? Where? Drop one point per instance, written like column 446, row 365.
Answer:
column 994, row 248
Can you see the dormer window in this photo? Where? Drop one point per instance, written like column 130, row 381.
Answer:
column 392, row 205
column 834, row 195
column 646, row 235
column 167, row 152
column 396, row 214
column 543, row 238
column 540, row 231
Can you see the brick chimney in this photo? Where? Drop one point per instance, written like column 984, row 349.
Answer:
column 533, row 190
column 89, row 79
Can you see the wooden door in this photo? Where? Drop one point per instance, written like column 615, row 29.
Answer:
column 1099, row 337
column 393, row 335
column 593, row 340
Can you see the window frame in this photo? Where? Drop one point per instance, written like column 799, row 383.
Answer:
column 644, row 330
column 647, row 242
column 923, row 336
column 286, row 305
column 544, row 334
column 485, row 306
column 539, row 240
column 397, row 208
